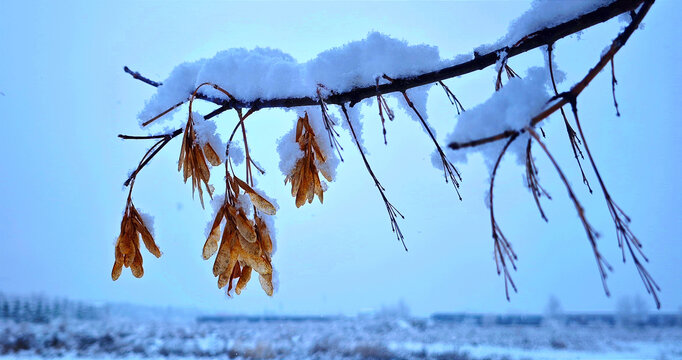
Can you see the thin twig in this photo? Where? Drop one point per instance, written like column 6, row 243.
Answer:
column 150, row 155
column 453, row 99
column 532, row 180
column 592, row 235
column 625, row 236
column 502, row 247
column 613, row 87
column 393, row 212
column 329, row 123
column 449, row 170
column 383, row 106
column 572, row 136
column 136, row 75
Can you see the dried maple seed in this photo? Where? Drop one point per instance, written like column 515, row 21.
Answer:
column 192, row 161
column 244, row 245
column 127, row 250
column 305, row 179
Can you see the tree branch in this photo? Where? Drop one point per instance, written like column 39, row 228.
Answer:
column 570, row 96
column 480, row 61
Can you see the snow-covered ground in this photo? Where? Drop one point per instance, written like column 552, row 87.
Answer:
column 341, row 338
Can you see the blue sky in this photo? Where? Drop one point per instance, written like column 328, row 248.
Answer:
column 65, row 98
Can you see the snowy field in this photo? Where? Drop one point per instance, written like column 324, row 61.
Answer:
column 342, row 338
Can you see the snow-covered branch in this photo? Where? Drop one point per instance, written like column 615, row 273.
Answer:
column 480, row 61
column 372, row 68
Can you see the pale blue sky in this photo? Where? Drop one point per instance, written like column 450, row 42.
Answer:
column 66, row 97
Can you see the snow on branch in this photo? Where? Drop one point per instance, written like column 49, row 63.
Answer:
column 475, row 62
column 373, row 68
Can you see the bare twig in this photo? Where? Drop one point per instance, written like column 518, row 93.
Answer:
column 532, row 180
column 502, row 247
column 453, row 99
column 383, row 106
column 329, row 122
column 136, row 75
column 572, row 136
column 449, row 170
column 164, row 139
column 613, row 86
column 626, row 238
column 510, row 73
column 592, row 235
column 393, row 212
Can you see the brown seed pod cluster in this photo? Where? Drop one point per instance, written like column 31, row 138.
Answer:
column 245, row 244
column 305, row 179
column 127, row 251
column 193, row 160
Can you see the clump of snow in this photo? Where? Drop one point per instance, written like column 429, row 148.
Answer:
column 176, row 88
column 216, row 204
column 206, row 133
column 359, row 63
column 148, row 220
column 264, row 73
column 244, row 203
column 511, row 108
column 236, row 152
column 543, row 14
column 289, row 151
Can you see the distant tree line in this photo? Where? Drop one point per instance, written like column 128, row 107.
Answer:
column 42, row 309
